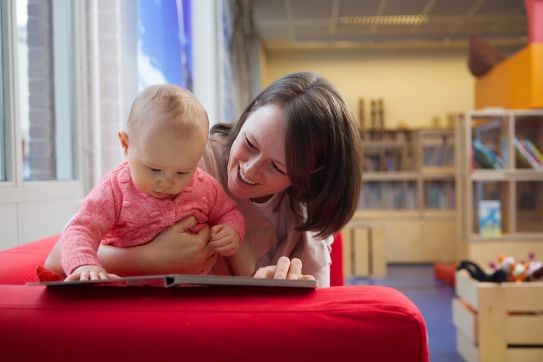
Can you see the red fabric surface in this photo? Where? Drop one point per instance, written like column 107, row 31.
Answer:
column 367, row 323
column 336, row 269
column 18, row 265
column 351, row 323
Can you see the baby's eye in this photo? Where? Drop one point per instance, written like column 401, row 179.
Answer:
column 155, row 170
column 182, row 173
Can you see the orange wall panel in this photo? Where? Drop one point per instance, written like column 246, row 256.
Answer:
column 515, row 83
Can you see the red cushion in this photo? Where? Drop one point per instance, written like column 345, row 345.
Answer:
column 233, row 324
column 368, row 323
column 18, row 265
column 336, row 269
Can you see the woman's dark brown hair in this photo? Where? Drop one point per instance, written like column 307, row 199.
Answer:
column 322, row 149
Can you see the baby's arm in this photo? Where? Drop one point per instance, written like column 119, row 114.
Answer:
column 225, row 239
column 81, row 237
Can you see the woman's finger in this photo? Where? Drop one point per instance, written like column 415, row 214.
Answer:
column 185, row 224
column 265, row 272
column 295, row 270
column 283, row 265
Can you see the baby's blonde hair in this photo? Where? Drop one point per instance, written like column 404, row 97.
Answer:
column 177, row 106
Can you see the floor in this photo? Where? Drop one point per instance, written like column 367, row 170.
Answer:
column 432, row 297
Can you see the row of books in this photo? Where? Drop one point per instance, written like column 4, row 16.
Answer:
column 440, row 195
column 486, row 157
column 389, row 162
column 528, row 154
column 438, row 156
column 388, row 196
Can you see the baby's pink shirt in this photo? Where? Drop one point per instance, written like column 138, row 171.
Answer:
column 116, row 213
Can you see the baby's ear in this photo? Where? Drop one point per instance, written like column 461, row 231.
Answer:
column 123, row 139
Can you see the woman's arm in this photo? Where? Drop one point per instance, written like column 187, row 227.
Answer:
column 175, row 250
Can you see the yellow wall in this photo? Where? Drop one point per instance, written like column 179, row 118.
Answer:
column 416, row 88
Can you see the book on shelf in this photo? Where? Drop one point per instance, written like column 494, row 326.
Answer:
column 440, row 195
column 485, row 157
column 490, row 218
column 389, row 165
column 183, row 280
column 503, row 149
column 533, row 150
column 525, row 156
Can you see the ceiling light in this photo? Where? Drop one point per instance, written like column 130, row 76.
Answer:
column 384, row 20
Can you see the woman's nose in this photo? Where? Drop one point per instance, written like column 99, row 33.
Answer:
column 252, row 167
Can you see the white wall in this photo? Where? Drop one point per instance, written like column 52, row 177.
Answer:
column 415, row 87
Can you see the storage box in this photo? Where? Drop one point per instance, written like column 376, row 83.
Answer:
column 498, row 322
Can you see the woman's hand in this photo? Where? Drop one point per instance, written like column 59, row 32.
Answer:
column 285, row 269
column 175, row 250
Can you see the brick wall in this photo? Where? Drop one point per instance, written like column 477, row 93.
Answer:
column 41, row 94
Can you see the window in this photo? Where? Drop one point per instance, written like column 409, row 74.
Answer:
column 45, row 54
column 41, row 99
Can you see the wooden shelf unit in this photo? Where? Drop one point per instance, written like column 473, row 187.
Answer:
column 409, row 191
column 514, row 182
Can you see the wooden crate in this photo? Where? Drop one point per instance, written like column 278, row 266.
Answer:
column 364, row 250
column 498, row 322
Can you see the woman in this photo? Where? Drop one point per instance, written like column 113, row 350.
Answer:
column 293, row 164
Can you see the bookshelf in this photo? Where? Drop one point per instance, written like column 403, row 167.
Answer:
column 500, row 179
column 409, row 191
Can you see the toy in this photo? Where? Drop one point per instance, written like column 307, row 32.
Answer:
column 505, row 269
column 477, row 273
column 519, row 271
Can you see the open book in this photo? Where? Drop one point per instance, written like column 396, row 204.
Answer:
column 184, row 280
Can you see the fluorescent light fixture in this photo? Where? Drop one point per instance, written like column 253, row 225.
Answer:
column 384, row 20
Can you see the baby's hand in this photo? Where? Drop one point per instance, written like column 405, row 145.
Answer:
column 90, row 272
column 224, row 239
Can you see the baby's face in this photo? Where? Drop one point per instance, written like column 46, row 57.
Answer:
column 162, row 163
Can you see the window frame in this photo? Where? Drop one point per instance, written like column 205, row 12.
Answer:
column 16, row 192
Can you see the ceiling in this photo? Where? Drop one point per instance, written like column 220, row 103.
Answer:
column 388, row 24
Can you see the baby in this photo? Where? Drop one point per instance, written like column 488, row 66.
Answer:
column 159, row 185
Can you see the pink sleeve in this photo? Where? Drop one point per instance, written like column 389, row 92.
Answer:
column 81, row 237
column 225, row 210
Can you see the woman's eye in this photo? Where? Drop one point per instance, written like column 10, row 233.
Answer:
column 278, row 169
column 249, row 144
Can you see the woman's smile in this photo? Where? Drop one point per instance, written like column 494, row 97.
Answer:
column 244, row 178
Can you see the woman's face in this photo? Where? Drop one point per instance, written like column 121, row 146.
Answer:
column 256, row 166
